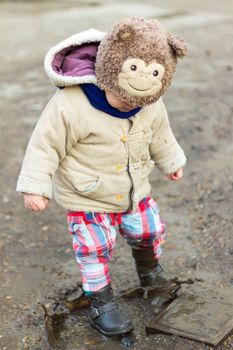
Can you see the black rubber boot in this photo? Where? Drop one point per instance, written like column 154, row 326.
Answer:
column 150, row 271
column 105, row 315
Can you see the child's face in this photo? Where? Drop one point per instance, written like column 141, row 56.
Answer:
column 116, row 103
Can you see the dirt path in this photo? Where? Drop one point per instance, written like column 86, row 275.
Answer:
column 37, row 260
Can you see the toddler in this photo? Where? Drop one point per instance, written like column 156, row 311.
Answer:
column 94, row 146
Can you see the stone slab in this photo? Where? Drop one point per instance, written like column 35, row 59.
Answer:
column 202, row 313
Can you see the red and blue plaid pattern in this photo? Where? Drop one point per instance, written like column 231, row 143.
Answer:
column 94, row 236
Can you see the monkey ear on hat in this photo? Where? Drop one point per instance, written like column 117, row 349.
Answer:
column 178, row 45
column 124, row 32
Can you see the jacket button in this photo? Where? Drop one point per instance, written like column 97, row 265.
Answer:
column 119, row 197
column 119, row 167
column 124, row 138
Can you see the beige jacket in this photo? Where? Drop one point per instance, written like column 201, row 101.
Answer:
column 91, row 161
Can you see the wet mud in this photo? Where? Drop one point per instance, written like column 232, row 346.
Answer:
column 61, row 320
column 41, row 305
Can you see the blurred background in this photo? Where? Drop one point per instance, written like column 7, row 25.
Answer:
column 38, row 265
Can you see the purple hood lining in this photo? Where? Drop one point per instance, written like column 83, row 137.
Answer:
column 76, row 61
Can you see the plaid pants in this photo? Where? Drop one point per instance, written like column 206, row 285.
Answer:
column 94, row 237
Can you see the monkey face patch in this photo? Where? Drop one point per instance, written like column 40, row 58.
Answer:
column 139, row 79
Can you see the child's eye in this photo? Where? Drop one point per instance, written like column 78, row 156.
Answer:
column 133, row 67
column 155, row 73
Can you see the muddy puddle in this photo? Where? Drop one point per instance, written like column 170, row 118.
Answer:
column 188, row 309
column 63, row 322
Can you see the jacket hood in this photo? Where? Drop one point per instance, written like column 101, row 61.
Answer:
column 72, row 61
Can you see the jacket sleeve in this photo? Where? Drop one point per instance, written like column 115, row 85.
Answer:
column 49, row 144
column 164, row 148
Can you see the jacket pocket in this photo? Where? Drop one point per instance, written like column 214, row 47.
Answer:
column 89, row 186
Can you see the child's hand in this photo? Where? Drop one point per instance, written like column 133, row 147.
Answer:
column 176, row 175
column 35, row 202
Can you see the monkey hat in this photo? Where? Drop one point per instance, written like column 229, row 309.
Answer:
column 135, row 60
